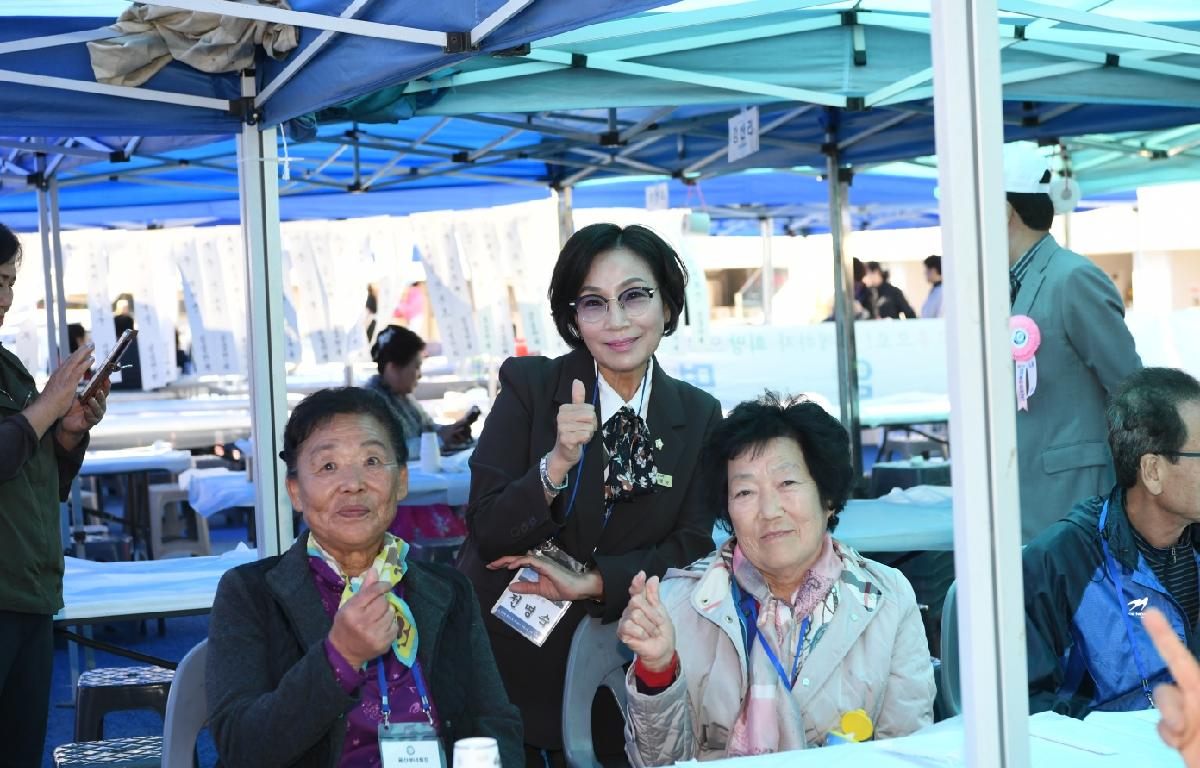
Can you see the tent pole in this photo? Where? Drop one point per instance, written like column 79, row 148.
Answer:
column 987, row 532
column 75, row 510
column 766, row 227
column 52, row 335
column 566, row 219
column 843, row 300
column 259, row 196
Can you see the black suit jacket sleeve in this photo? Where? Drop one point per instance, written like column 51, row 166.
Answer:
column 691, row 539
column 508, row 513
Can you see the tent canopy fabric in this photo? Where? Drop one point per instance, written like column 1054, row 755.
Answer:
column 325, row 69
column 531, row 120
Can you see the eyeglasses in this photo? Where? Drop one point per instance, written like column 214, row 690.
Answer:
column 1182, row 454
column 634, row 302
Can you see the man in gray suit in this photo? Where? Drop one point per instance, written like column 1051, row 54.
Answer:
column 1085, row 351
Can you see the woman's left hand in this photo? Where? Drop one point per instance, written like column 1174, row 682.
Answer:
column 555, row 582
column 81, row 417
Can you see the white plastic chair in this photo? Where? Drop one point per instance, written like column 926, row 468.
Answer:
column 948, row 693
column 596, row 660
column 187, row 709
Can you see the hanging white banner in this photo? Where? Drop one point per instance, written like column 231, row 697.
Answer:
column 479, row 244
column 93, row 256
column 214, row 289
column 319, row 338
column 154, row 285
column 529, row 241
column 447, row 284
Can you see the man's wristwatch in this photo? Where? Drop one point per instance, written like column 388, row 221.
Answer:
column 548, row 484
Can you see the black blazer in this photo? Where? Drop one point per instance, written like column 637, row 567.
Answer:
column 508, row 513
column 272, row 696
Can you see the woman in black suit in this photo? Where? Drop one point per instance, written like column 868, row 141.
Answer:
column 594, row 451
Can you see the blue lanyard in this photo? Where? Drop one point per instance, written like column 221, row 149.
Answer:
column 422, row 691
column 1112, row 568
column 748, row 616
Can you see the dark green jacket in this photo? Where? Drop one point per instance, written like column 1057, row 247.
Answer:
column 272, row 696
column 35, row 475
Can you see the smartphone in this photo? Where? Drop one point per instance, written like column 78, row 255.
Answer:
column 110, row 366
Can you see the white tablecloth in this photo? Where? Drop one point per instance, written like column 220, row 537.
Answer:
column 144, row 459
column 212, row 490
column 895, row 410
column 144, row 588
column 917, row 518
column 179, row 425
column 1120, row 740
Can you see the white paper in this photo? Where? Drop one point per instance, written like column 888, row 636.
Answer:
column 658, row 197
column 743, row 134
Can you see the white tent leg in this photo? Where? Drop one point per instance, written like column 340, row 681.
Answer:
column 967, row 111
column 843, row 307
column 259, row 194
column 75, row 516
column 566, row 219
column 766, row 228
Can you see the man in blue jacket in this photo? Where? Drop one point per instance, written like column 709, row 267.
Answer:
column 1090, row 576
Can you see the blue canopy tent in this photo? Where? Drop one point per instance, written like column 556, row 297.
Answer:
column 48, row 91
column 861, row 98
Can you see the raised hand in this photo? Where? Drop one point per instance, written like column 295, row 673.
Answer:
column 645, row 625
column 1178, row 704
column 365, row 626
column 576, row 425
column 58, row 396
column 554, row 581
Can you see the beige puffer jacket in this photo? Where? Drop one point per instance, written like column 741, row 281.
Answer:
column 875, row 660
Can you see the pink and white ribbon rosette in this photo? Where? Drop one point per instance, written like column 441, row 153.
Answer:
column 1026, row 338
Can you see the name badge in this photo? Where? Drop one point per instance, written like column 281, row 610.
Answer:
column 534, row 616
column 410, row 745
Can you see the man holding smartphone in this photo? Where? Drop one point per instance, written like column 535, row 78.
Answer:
column 42, row 440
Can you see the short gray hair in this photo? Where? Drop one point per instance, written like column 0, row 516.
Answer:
column 1143, row 417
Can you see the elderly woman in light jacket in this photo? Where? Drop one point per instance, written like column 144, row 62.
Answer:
column 764, row 645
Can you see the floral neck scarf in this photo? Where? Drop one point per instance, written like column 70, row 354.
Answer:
column 391, row 566
column 631, row 470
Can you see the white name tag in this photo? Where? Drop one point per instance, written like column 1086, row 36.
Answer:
column 532, row 615
column 410, row 745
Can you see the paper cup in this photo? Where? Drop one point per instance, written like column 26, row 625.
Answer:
column 476, row 752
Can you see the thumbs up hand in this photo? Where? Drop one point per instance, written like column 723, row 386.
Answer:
column 576, row 425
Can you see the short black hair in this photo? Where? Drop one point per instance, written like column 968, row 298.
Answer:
column 319, row 408
column 396, row 344
column 1036, row 209
column 859, row 270
column 822, row 439
column 933, row 262
column 1143, row 417
column 75, row 334
column 10, row 246
column 575, row 261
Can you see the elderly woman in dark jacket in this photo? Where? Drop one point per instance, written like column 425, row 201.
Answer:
column 299, row 643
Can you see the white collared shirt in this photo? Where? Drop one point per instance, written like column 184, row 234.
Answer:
column 611, row 402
